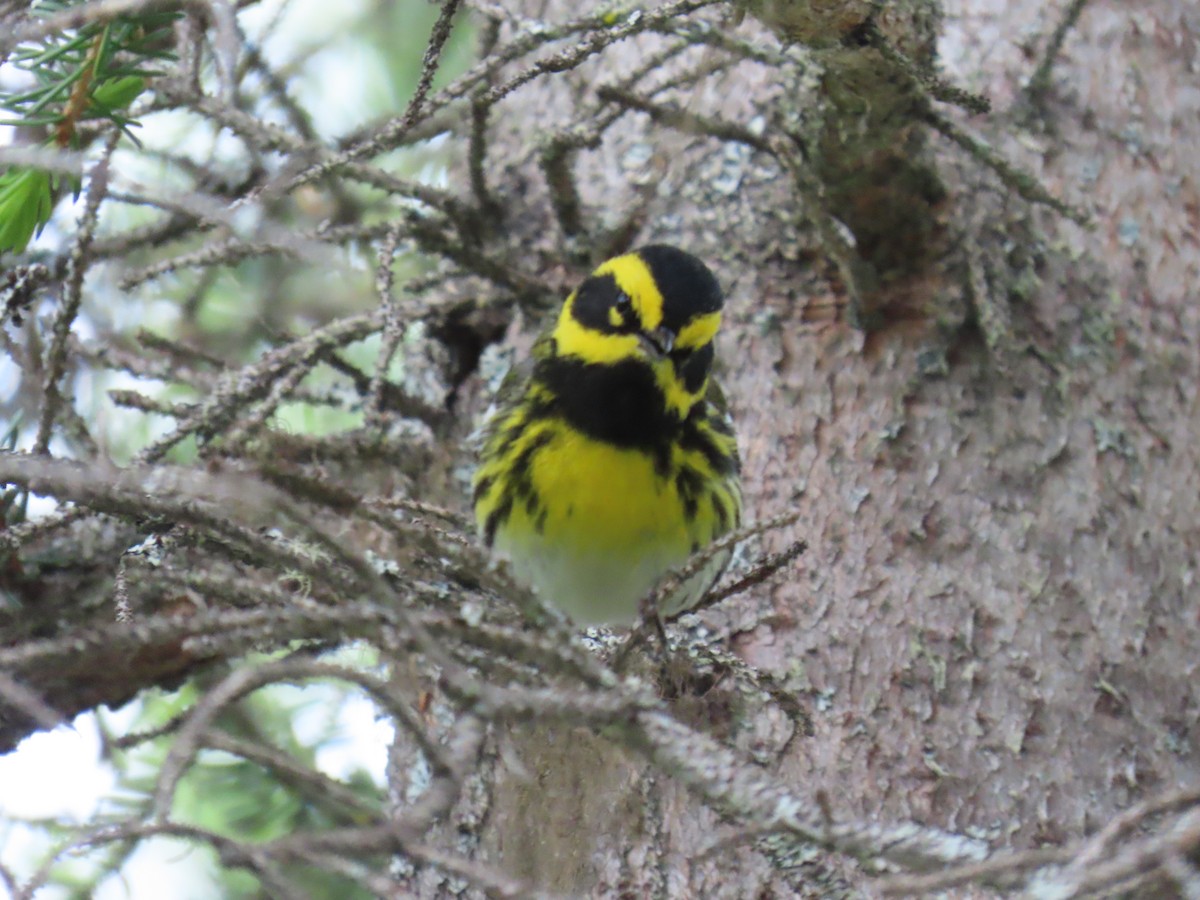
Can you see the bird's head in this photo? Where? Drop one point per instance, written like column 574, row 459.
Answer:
column 658, row 306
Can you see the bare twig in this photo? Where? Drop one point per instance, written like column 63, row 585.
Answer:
column 1039, row 82
column 392, row 330
column 1024, row 183
column 56, row 357
column 429, row 65
column 28, row 702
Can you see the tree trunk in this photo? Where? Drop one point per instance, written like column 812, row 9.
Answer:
column 993, row 620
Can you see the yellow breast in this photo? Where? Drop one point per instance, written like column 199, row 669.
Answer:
column 607, row 498
column 599, row 529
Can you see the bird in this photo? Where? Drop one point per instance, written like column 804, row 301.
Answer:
column 610, row 457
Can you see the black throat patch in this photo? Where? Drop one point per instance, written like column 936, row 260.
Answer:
column 618, row 403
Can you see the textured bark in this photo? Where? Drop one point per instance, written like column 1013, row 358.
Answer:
column 995, row 618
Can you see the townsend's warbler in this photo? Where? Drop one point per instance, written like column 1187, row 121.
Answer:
column 610, row 458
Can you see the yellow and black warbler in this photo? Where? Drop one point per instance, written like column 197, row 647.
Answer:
column 610, row 458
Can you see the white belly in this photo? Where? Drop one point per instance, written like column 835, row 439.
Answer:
column 595, row 588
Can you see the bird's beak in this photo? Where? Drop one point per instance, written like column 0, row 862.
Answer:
column 659, row 342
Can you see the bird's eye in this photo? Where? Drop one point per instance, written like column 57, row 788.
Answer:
column 624, row 306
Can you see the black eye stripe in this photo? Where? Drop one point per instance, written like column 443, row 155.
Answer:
column 627, row 314
column 594, row 299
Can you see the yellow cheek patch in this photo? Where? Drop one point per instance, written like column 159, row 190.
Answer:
column 614, row 317
column 677, row 397
column 588, row 344
column 699, row 331
column 634, row 278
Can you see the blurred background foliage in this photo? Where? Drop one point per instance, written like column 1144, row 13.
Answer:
column 339, row 68
column 328, row 70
